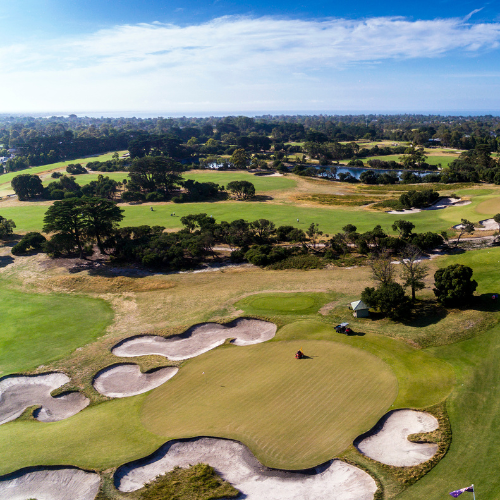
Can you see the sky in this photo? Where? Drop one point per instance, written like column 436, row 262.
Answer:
column 249, row 57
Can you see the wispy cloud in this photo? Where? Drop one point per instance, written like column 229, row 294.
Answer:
column 148, row 61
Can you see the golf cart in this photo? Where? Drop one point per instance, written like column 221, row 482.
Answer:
column 343, row 328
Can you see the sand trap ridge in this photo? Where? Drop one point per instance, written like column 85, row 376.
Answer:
column 334, row 480
column 50, row 484
column 387, row 442
column 18, row 393
column 121, row 381
column 438, row 205
column 488, row 225
column 197, row 339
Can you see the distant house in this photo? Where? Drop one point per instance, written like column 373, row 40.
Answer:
column 360, row 309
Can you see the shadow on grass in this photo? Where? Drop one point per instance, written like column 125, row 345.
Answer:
column 6, row 260
column 425, row 313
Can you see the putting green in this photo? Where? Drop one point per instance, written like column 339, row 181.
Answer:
column 283, row 303
column 489, row 207
column 291, row 413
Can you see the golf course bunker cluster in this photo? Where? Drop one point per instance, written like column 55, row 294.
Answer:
column 198, row 339
column 20, row 392
column 236, row 464
column 54, row 483
column 123, row 380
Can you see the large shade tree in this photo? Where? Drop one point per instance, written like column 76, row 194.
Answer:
column 454, row 285
column 154, row 173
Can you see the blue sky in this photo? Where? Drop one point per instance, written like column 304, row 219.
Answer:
column 253, row 56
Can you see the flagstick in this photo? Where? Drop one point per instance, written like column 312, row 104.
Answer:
column 473, row 492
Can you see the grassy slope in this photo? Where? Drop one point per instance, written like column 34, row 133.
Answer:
column 474, row 406
column 37, row 329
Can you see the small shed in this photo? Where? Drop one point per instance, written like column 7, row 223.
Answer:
column 360, row 309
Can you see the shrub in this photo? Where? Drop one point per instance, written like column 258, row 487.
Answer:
column 56, row 175
column 76, row 169
column 155, row 196
column 29, row 242
column 454, row 285
column 388, row 298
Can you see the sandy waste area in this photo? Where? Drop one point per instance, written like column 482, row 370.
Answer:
column 18, row 393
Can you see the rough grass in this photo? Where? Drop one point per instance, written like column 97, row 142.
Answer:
column 38, row 329
column 337, row 200
column 291, row 413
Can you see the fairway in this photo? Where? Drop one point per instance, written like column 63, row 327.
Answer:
column 37, row 329
column 284, row 303
column 261, row 183
column 291, row 413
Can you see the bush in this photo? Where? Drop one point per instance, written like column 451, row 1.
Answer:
column 155, row 196
column 56, row 194
column 29, row 242
column 76, row 169
column 418, row 199
column 6, row 227
column 299, row 262
column 388, row 298
column 454, row 285
column 132, row 196
column 56, row 175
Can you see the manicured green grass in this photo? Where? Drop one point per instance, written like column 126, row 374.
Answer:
column 6, row 178
column 261, row 183
column 85, row 179
column 99, row 437
column 283, row 303
column 431, row 159
column 291, row 413
column 37, row 329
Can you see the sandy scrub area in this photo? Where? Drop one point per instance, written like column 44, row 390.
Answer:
column 488, row 225
column 387, row 442
column 334, row 480
column 50, row 484
column 18, row 393
column 439, row 205
column 197, row 339
column 121, row 381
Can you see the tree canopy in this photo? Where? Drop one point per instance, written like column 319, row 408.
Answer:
column 454, row 285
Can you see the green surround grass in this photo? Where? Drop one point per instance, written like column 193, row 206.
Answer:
column 283, row 303
column 291, row 413
column 109, row 434
column 38, row 329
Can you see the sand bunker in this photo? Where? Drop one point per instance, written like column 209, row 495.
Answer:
column 18, row 393
column 488, row 225
column 387, row 442
column 121, row 381
column 198, row 339
column 50, row 484
column 236, row 464
column 439, row 205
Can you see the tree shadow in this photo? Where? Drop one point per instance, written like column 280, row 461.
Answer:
column 425, row 313
column 484, row 303
column 260, row 197
column 5, row 260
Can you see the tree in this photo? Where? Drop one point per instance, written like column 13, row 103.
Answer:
column 101, row 217
column 313, row 233
column 413, row 157
column 239, row 159
column 154, row 173
column 496, row 218
column 465, row 227
column 66, row 218
column 6, row 227
column 382, row 268
column 413, row 270
column 242, row 189
column 27, row 186
column 388, row 298
column 454, row 285
column 404, row 228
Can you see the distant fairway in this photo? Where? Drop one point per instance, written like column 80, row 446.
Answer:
column 37, row 329
column 291, row 413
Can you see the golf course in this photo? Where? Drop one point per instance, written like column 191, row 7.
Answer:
column 208, row 358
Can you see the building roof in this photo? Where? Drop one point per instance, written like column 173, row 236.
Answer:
column 358, row 305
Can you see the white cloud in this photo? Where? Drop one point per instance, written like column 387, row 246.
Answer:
column 226, row 61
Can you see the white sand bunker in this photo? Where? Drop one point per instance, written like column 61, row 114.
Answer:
column 18, row 393
column 439, row 205
column 50, row 484
column 121, row 381
column 388, row 443
column 198, row 339
column 236, row 464
column 488, row 225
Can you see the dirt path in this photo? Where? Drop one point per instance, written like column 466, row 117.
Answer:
column 334, row 480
